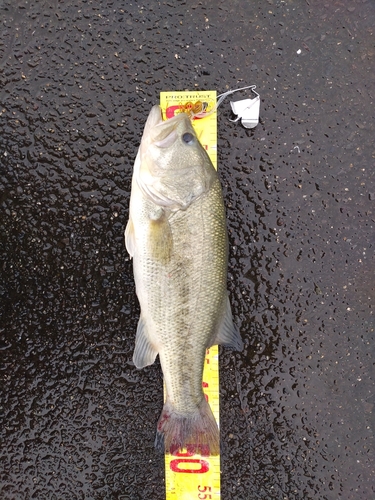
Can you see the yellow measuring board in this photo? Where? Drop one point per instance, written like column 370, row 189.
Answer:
column 172, row 103
column 191, row 476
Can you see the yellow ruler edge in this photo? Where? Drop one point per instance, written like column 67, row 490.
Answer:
column 187, row 476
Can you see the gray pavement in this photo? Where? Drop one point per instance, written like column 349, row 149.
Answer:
column 77, row 80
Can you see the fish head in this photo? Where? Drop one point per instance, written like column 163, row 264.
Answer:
column 172, row 167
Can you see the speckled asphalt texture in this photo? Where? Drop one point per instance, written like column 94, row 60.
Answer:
column 77, row 80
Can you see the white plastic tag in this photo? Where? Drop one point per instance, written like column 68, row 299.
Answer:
column 247, row 110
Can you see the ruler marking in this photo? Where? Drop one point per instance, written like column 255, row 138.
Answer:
column 188, row 476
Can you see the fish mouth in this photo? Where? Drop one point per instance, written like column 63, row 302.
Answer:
column 154, row 118
column 167, row 141
column 163, row 133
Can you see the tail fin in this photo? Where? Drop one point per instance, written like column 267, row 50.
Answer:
column 198, row 431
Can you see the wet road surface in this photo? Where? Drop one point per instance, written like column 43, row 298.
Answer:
column 77, row 80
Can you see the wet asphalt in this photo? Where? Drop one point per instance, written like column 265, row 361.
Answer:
column 77, row 80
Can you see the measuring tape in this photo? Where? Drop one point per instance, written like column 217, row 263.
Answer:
column 193, row 476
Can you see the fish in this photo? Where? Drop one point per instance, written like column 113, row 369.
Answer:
column 177, row 237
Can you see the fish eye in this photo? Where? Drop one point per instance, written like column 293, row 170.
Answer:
column 188, row 138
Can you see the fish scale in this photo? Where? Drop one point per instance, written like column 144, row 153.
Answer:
column 194, row 303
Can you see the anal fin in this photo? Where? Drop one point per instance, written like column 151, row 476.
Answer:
column 144, row 352
column 228, row 334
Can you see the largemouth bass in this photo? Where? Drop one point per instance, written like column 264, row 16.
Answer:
column 176, row 235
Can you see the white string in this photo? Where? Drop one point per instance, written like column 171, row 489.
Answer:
column 220, row 99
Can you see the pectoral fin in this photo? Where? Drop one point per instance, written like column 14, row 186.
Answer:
column 228, row 334
column 130, row 238
column 144, row 352
column 160, row 237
